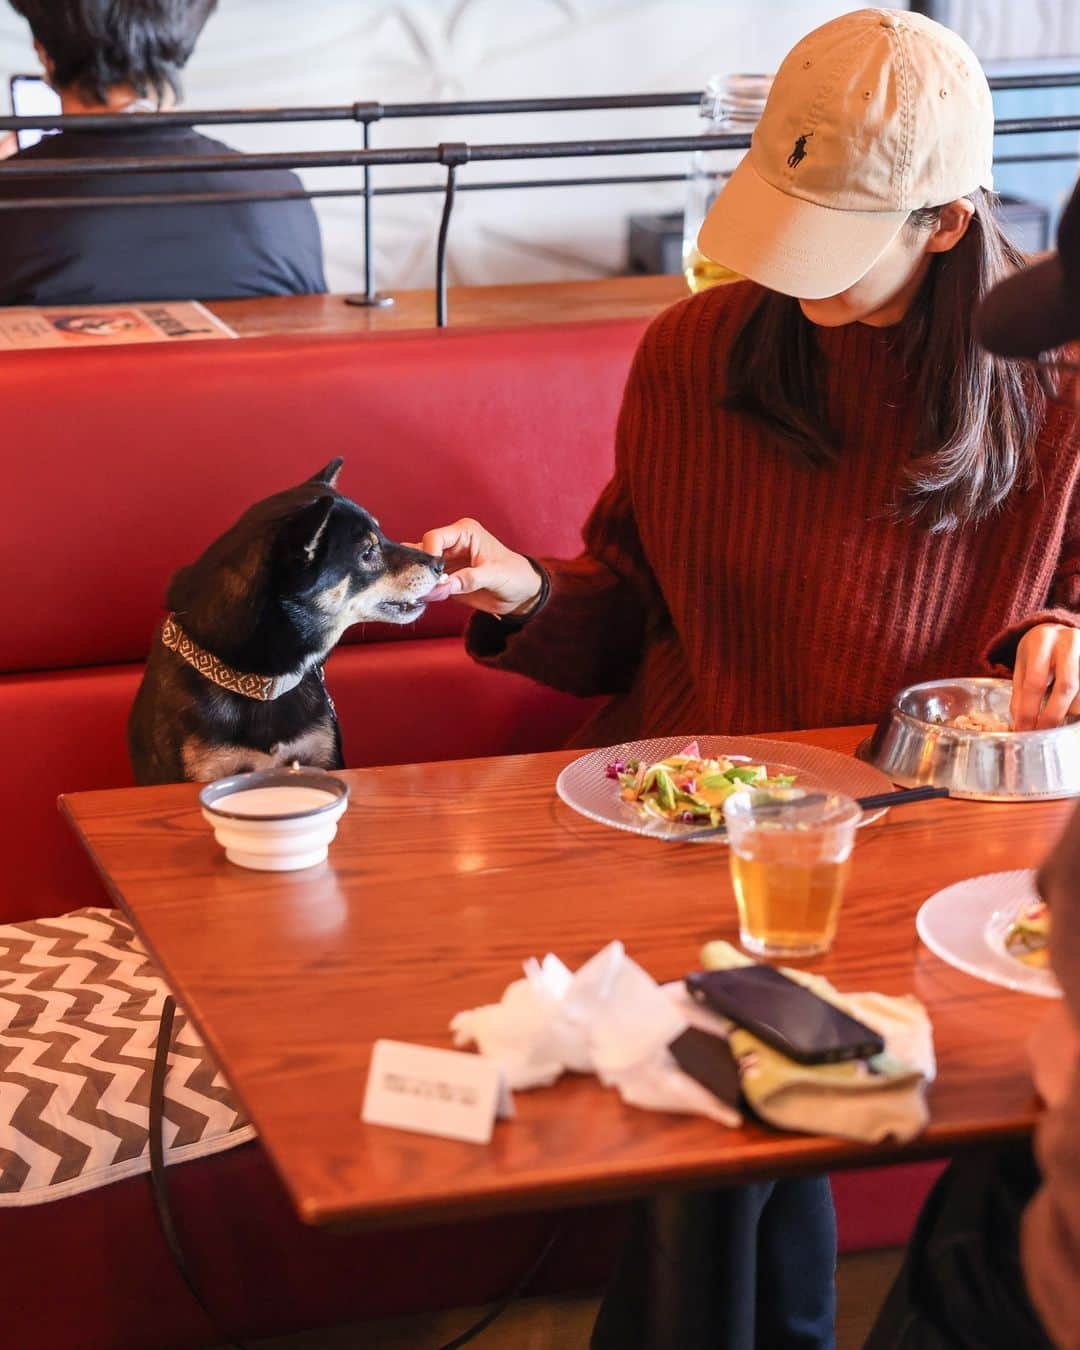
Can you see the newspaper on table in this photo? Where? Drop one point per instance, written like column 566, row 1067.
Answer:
column 75, row 326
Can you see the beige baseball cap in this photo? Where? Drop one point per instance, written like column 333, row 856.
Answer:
column 870, row 117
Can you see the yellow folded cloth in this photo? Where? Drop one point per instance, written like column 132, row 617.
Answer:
column 867, row 1100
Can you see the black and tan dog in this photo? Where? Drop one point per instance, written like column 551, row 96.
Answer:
column 234, row 681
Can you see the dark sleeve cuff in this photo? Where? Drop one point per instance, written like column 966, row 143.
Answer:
column 1000, row 656
column 487, row 633
column 511, row 623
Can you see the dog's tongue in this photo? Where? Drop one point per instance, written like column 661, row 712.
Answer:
column 438, row 592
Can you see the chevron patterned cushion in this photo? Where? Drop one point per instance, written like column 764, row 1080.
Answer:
column 80, row 1002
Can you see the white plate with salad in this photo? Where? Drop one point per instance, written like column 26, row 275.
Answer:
column 994, row 927
column 674, row 789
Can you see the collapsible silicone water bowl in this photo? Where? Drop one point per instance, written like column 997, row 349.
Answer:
column 276, row 820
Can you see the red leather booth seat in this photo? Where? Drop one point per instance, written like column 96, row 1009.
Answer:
column 120, row 465
column 124, row 463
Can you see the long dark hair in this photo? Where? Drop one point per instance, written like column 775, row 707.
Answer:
column 980, row 415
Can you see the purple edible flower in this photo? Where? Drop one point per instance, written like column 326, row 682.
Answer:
column 613, row 770
column 688, row 817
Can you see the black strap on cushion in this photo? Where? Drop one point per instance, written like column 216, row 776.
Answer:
column 157, row 1167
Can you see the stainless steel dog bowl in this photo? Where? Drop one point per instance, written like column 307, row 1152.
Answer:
column 915, row 744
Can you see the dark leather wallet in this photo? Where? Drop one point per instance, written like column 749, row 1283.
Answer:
column 708, row 1059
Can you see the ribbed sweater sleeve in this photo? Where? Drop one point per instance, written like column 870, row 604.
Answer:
column 589, row 637
column 1062, row 602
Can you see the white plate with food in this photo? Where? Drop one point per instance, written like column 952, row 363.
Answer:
column 994, row 927
column 674, row 789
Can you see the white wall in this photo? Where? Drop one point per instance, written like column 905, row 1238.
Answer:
column 279, row 52
column 1009, row 29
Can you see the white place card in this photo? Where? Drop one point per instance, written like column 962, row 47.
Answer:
column 430, row 1091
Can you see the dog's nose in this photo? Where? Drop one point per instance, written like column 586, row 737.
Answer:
column 437, row 566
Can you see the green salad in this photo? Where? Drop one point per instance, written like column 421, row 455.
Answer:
column 688, row 787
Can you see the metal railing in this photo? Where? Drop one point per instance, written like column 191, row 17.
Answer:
column 450, row 155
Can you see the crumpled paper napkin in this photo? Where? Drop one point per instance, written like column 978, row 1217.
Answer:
column 612, row 1019
column 609, row 1017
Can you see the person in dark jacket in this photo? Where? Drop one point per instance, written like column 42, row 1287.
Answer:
column 126, row 56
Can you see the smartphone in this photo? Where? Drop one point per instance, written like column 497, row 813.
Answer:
column 31, row 96
column 784, row 1015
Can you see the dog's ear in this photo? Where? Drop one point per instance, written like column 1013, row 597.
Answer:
column 306, row 529
column 328, row 474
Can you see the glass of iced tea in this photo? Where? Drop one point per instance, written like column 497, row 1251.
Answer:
column 790, row 860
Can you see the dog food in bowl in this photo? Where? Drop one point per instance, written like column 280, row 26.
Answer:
column 980, row 721
column 276, row 820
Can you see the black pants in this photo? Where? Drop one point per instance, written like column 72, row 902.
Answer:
column 961, row 1286
column 733, row 1269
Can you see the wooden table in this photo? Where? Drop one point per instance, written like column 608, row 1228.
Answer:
column 443, row 879
column 467, row 307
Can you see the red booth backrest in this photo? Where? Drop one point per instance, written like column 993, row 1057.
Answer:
column 123, row 463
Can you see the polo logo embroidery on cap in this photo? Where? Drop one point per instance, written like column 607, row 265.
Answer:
column 798, row 153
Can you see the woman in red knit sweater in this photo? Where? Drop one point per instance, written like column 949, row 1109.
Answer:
column 816, row 501
column 824, row 490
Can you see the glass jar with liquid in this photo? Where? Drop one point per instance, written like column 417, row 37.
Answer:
column 730, row 104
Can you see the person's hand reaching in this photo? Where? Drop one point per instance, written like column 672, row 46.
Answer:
column 1048, row 655
column 481, row 572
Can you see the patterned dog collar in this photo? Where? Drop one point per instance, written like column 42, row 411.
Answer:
column 265, row 688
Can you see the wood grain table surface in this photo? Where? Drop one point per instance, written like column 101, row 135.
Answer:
column 467, row 307
column 443, row 879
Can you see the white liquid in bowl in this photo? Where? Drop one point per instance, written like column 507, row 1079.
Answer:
column 274, row 801
column 277, row 827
